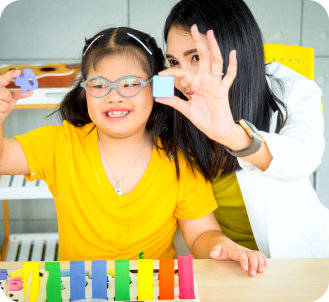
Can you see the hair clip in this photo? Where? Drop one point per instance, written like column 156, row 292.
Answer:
column 92, row 42
column 147, row 49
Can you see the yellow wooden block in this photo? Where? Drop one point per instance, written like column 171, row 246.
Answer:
column 35, row 282
column 145, row 279
column 15, row 274
column 111, row 272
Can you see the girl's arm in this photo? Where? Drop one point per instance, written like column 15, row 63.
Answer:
column 205, row 239
column 12, row 158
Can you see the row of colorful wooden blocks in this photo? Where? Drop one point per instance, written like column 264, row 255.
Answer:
column 52, row 280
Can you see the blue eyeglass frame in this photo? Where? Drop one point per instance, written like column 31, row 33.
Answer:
column 115, row 85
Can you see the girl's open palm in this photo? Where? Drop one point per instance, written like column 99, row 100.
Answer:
column 209, row 108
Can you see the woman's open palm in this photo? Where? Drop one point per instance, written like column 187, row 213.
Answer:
column 209, row 108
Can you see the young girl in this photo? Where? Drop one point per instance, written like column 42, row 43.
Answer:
column 119, row 182
column 264, row 123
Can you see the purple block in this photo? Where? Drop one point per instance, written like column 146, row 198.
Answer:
column 27, row 80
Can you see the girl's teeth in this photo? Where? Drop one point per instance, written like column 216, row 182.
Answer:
column 117, row 113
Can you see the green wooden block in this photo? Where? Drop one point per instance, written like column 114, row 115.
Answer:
column 54, row 290
column 122, row 280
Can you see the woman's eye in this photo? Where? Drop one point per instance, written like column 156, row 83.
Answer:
column 195, row 58
column 173, row 62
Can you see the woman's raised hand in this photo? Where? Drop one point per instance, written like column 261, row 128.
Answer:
column 208, row 108
column 8, row 98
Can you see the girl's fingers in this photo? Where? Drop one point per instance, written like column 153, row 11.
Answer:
column 231, row 70
column 253, row 264
column 5, row 95
column 18, row 94
column 216, row 55
column 216, row 252
column 243, row 259
column 203, row 51
column 6, row 78
column 176, row 103
column 261, row 262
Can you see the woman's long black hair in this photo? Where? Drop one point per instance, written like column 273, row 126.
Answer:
column 250, row 96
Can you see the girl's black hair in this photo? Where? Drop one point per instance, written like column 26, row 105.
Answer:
column 250, row 96
column 113, row 41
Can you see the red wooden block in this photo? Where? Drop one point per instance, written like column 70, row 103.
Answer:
column 166, row 279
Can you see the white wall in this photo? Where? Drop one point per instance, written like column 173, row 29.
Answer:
column 42, row 31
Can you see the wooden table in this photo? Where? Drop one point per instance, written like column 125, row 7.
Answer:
column 283, row 280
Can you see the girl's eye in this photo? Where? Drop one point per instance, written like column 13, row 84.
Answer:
column 99, row 86
column 130, row 83
column 195, row 58
column 173, row 62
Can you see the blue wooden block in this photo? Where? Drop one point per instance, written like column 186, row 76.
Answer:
column 163, row 86
column 3, row 274
column 77, row 280
column 99, row 277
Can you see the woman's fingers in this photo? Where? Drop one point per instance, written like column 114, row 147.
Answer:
column 183, row 76
column 176, row 103
column 178, row 73
column 231, row 70
column 203, row 51
column 216, row 55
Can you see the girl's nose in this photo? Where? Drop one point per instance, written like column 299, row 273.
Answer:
column 114, row 97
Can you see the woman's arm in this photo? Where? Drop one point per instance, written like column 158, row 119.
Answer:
column 205, row 239
column 299, row 146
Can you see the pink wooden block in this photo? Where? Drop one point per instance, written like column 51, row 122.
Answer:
column 186, row 279
column 15, row 284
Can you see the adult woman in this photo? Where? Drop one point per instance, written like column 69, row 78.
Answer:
column 227, row 82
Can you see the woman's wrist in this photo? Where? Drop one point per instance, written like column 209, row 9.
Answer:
column 237, row 139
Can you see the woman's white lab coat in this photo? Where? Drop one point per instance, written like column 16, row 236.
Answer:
column 286, row 216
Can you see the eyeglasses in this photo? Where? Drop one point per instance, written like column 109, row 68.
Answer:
column 127, row 86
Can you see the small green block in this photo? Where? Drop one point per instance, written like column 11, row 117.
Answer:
column 122, row 280
column 54, row 291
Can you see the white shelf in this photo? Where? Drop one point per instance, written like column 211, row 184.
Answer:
column 16, row 187
column 45, row 96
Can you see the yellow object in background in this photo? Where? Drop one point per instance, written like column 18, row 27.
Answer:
column 298, row 58
column 35, row 282
column 15, row 274
column 145, row 279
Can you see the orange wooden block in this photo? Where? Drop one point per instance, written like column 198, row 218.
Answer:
column 166, row 279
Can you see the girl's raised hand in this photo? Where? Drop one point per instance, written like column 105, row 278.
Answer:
column 8, row 98
column 209, row 108
column 251, row 261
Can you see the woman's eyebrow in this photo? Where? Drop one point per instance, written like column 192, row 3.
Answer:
column 186, row 53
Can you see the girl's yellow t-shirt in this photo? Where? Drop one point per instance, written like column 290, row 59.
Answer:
column 94, row 222
column 231, row 213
